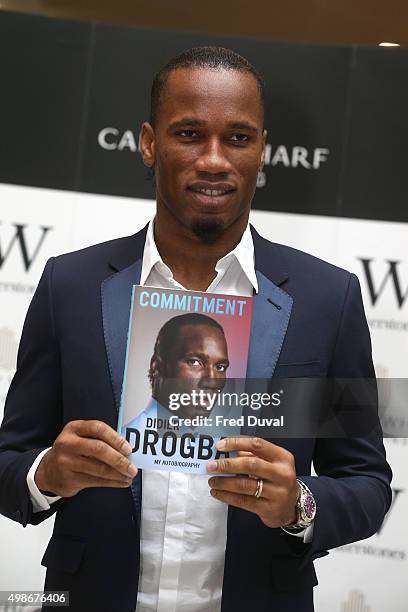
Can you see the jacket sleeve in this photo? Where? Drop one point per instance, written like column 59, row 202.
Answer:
column 352, row 487
column 33, row 410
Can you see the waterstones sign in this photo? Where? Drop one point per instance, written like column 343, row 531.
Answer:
column 24, row 239
column 385, row 277
column 386, row 287
column 20, row 247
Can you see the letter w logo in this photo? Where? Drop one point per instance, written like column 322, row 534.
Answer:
column 19, row 239
column 392, row 274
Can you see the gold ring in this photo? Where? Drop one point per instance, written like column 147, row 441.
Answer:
column 259, row 488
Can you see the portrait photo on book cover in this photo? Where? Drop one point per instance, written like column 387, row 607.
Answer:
column 190, row 360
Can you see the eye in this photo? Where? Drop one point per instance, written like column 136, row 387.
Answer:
column 187, row 133
column 240, row 137
column 194, row 362
column 221, row 367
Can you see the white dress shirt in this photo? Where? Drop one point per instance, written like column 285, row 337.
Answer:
column 183, row 528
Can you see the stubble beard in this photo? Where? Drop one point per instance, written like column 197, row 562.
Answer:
column 207, row 230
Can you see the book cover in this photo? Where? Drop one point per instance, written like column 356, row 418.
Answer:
column 185, row 351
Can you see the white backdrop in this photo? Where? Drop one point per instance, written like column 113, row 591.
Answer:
column 365, row 577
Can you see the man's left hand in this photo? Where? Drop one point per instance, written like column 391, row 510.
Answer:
column 258, row 459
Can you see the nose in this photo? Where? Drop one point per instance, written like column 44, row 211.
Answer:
column 212, row 378
column 213, row 159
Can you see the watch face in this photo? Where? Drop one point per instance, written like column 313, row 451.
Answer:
column 309, row 506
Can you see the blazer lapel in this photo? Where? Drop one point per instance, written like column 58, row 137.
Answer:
column 116, row 294
column 272, row 308
column 116, row 299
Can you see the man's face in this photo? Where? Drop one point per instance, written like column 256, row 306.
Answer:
column 199, row 362
column 206, row 146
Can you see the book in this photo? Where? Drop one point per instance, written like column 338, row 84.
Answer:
column 185, row 351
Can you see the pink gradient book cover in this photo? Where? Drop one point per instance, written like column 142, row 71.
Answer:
column 186, row 352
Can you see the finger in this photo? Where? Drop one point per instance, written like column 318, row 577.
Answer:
column 97, row 449
column 102, row 431
column 279, row 474
column 93, row 467
column 255, row 466
column 242, row 486
column 86, row 481
column 257, row 446
column 246, row 502
column 247, row 454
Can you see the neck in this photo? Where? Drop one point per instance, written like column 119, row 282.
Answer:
column 191, row 261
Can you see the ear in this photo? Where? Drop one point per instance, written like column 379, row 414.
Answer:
column 264, row 135
column 146, row 144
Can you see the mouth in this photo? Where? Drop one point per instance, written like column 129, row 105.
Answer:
column 211, row 194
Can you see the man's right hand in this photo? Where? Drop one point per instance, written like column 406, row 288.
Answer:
column 85, row 454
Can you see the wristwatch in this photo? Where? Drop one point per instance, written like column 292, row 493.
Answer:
column 305, row 508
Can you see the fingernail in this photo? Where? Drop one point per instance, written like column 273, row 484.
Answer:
column 127, row 448
column 212, row 466
column 221, row 444
column 132, row 469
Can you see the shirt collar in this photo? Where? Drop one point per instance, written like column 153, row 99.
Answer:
column 243, row 254
column 151, row 257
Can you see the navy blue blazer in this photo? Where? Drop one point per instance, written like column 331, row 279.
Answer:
column 308, row 321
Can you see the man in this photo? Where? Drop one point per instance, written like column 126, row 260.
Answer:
column 190, row 354
column 225, row 551
column 190, row 357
